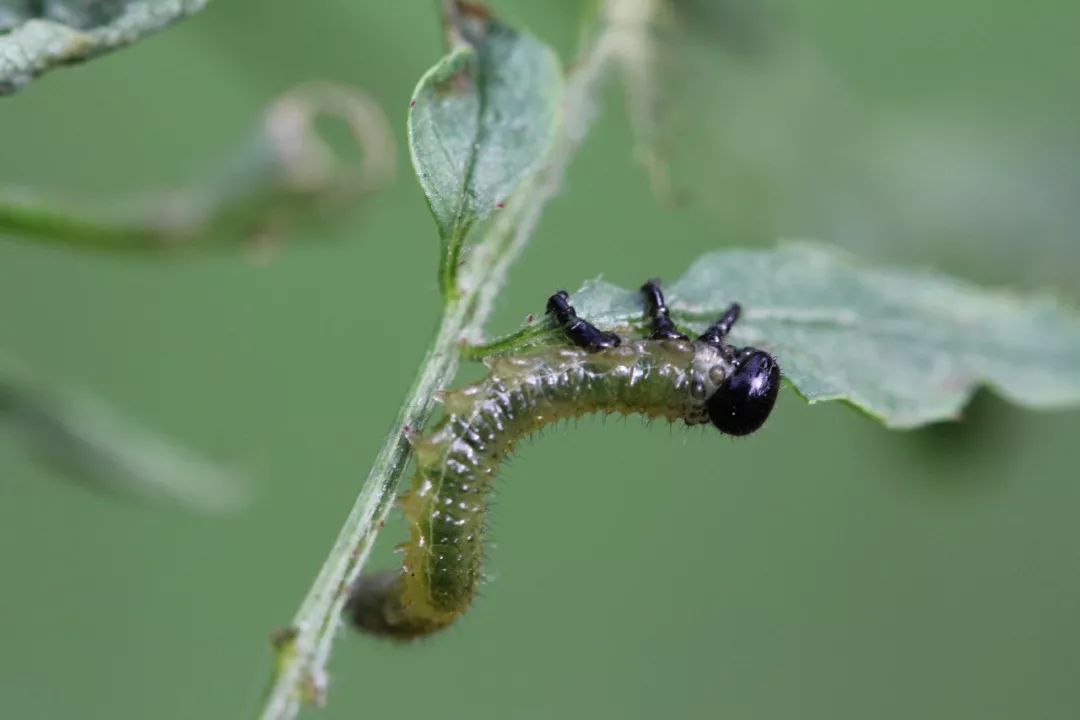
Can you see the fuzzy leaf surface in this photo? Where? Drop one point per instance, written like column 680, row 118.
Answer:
column 480, row 122
column 907, row 347
column 36, row 36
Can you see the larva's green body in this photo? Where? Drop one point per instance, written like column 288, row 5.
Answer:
column 457, row 462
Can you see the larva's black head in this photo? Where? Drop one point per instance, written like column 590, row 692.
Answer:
column 744, row 400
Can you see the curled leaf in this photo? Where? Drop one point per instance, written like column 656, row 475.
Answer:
column 283, row 174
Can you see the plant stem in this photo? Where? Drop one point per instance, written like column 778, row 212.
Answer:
column 303, row 650
column 302, row 658
column 50, row 222
column 280, row 175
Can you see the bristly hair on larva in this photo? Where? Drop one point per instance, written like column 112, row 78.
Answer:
column 666, row 375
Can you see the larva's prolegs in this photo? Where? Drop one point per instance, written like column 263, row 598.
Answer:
column 456, row 463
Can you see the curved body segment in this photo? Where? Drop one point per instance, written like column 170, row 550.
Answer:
column 673, row 378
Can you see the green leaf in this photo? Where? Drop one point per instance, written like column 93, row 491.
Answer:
column 36, row 36
column 82, row 440
column 909, row 348
column 480, row 122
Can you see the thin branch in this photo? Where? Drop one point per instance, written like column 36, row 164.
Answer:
column 77, row 438
column 284, row 173
column 303, row 651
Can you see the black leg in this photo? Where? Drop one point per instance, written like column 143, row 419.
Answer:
column 581, row 333
column 718, row 331
column 661, row 326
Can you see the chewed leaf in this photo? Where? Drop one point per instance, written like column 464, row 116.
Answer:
column 82, row 440
column 38, row 36
column 481, row 120
column 907, row 347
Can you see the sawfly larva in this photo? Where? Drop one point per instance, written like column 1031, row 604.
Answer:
column 666, row 375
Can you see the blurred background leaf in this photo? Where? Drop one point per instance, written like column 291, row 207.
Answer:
column 38, row 35
column 83, row 441
column 906, row 149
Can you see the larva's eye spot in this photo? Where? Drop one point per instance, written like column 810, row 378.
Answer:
column 743, row 402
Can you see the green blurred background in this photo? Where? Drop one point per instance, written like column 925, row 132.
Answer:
column 825, row 568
